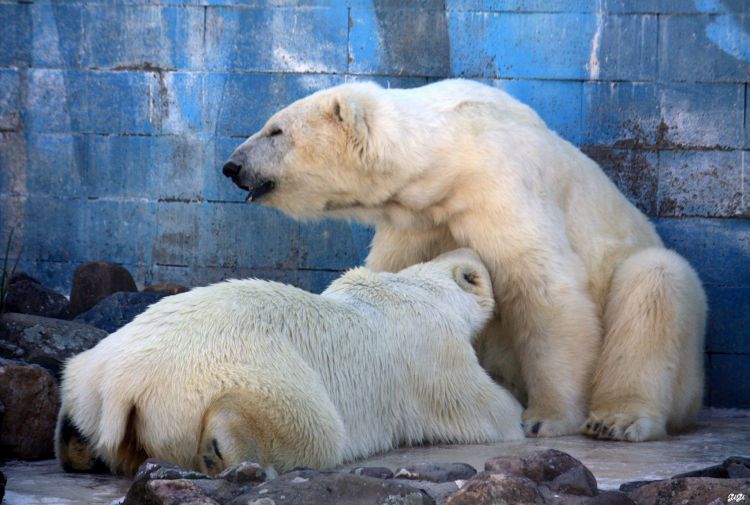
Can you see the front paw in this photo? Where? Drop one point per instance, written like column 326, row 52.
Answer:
column 537, row 424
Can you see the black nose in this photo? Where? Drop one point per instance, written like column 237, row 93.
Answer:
column 231, row 169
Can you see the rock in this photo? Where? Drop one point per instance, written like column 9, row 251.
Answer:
column 143, row 491
column 609, row 498
column 630, row 486
column 119, row 309
column 2, row 486
column 734, row 467
column 174, row 492
column 29, row 394
column 167, row 287
column 558, row 470
column 439, row 492
column 495, row 489
column 309, row 486
column 45, row 341
column 378, row 472
column 95, row 281
column 690, row 490
column 436, row 472
column 27, row 296
column 244, row 473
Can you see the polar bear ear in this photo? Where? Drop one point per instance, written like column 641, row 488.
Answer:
column 468, row 278
column 349, row 113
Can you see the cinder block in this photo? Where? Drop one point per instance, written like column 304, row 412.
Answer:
column 238, row 235
column 58, row 40
column 143, row 37
column 702, row 115
column 177, row 234
column 316, row 281
column 10, row 113
column 13, row 162
column 717, row 248
column 181, row 107
column 728, row 320
column 55, row 101
column 520, row 45
column 700, row 48
column 16, row 29
column 121, row 102
column 399, row 41
column 333, row 245
column 620, row 114
column 246, row 101
column 634, row 172
column 624, row 47
column 277, row 39
column 557, row 102
column 728, row 378
column 120, row 231
column 57, row 165
column 54, row 230
column 707, row 183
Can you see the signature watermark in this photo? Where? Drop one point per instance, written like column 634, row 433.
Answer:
column 736, row 498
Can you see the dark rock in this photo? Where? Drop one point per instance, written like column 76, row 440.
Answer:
column 556, row 469
column 45, row 341
column 2, row 486
column 307, row 486
column 168, row 288
column 244, row 473
column 154, row 470
column 690, row 490
column 29, row 394
column 438, row 491
column 609, row 498
column 630, row 486
column 157, row 469
column 117, row 310
column 27, row 296
column 95, row 281
column 735, row 467
column 495, row 488
column 378, row 472
column 436, row 472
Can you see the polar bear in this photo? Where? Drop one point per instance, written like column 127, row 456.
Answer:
column 601, row 327
column 256, row 370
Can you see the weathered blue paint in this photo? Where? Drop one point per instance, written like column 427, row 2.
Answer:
column 116, row 116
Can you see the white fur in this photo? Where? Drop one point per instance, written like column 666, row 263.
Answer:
column 376, row 361
column 585, row 290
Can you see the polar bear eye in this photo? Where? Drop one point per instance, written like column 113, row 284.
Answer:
column 274, row 131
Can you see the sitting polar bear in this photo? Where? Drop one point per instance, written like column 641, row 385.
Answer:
column 598, row 319
column 256, row 370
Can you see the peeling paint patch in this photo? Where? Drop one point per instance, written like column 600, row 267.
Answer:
column 593, row 65
column 725, row 31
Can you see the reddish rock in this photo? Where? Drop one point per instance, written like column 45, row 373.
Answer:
column 27, row 296
column 95, row 281
column 29, row 395
column 556, row 469
column 496, row 489
column 692, row 490
column 167, row 287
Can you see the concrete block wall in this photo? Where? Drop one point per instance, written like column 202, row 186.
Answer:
column 116, row 115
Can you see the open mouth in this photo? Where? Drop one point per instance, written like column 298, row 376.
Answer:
column 259, row 190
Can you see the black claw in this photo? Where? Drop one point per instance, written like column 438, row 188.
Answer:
column 597, row 426
column 588, row 426
column 535, row 428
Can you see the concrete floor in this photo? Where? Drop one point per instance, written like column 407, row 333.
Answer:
column 718, row 435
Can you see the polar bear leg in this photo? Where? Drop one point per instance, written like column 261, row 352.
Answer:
column 279, row 425
column 394, row 249
column 650, row 377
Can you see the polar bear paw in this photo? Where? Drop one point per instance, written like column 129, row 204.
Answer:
column 624, row 425
column 538, row 425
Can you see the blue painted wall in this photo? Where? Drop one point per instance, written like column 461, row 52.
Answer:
column 116, row 115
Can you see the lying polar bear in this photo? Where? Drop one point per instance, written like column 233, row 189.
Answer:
column 256, row 370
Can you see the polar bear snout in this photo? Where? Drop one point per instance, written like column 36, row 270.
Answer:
column 255, row 184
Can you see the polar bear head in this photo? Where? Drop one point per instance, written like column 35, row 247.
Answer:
column 339, row 149
column 455, row 284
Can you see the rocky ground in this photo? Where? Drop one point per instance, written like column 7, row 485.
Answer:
column 40, row 329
